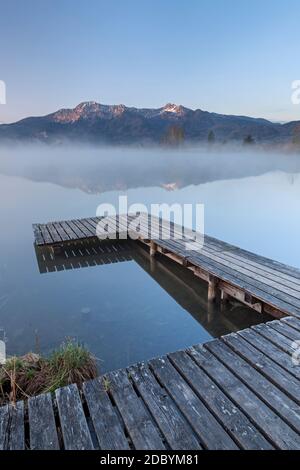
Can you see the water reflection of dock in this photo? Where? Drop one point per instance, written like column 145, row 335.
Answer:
column 82, row 254
column 179, row 283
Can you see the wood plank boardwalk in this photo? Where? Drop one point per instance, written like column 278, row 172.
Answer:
column 238, row 392
column 260, row 283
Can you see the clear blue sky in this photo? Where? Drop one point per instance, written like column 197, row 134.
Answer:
column 227, row 56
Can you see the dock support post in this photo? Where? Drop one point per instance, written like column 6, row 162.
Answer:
column 224, row 300
column 153, row 248
column 212, row 289
column 224, row 296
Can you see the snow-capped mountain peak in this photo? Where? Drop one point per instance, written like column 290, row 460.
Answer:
column 172, row 108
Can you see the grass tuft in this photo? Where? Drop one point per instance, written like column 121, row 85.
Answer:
column 32, row 374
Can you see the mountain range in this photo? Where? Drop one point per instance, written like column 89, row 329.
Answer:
column 171, row 124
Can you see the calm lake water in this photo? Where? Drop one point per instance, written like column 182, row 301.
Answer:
column 134, row 310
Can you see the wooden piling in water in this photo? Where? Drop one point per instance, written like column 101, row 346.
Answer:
column 153, row 248
column 212, row 289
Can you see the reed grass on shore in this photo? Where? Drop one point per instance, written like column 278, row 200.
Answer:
column 32, row 374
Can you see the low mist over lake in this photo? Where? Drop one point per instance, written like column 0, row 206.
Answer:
column 96, row 170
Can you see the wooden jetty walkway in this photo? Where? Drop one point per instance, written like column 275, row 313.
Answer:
column 260, row 283
column 238, row 392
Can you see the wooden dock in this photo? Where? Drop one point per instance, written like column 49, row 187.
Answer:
column 260, row 283
column 238, row 392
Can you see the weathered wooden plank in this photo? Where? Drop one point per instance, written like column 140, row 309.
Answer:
column 136, row 227
column 211, row 434
column 266, row 366
column 89, row 226
column 39, row 239
column 90, row 222
column 84, row 228
column 293, row 322
column 17, row 428
column 78, row 232
column 4, row 426
column 275, row 337
column 46, row 234
column 240, row 268
column 42, row 427
column 54, row 234
column 178, row 434
column 68, row 230
column 144, row 434
column 270, row 350
column 106, row 227
column 281, row 404
column 290, row 270
column 235, row 422
column 271, row 266
column 64, row 236
column 74, row 427
column 256, row 263
column 108, row 428
column 247, row 288
column 256, row 288
column 255, row 267
column 257, row 270
column 274, row 428
column 12, row 432
column 285, row 330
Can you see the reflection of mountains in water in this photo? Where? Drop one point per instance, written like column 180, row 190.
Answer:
column 107, row 170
